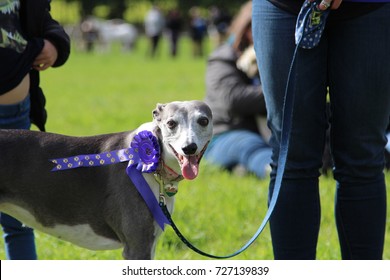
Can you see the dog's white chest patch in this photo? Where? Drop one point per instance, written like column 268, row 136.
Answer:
column 81, row 235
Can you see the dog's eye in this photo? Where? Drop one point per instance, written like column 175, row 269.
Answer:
column 203, row 121
column 171, row 124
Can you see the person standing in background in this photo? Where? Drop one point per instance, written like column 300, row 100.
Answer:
column 174, row 26
column 198, row 31
column 154, row 27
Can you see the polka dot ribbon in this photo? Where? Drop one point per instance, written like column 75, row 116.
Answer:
column 143, row 157
column 92, row 159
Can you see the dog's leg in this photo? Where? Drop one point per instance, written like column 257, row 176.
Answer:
column 141, row 248
column 132, row 254
column 134, row 226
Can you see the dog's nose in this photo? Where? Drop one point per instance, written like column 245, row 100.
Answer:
column 190, row 149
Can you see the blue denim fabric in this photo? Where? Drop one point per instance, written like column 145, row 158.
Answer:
column 19, row 240
column 15, row 116
column 350, row 60
column 240, row 147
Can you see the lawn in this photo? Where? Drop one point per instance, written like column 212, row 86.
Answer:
column 97, row 93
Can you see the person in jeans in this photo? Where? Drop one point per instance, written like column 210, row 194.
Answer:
column 33, row 42
column 350, row 61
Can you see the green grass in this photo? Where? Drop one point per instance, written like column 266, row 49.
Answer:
column 100, row 93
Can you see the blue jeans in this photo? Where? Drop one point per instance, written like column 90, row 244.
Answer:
column 351, row 60
column 19, row 239
column 240, row 147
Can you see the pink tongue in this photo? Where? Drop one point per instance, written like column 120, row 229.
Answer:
column 189, row 167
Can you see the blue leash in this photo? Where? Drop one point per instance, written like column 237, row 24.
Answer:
column 310, row 21
column 286, row 128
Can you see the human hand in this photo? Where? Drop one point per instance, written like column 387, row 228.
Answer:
column 47, row 57
column 325, row 4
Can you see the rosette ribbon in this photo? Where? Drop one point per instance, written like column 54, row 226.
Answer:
column 143, row 156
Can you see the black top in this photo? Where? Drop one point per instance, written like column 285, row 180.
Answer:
column 346, row 10
column 16, row 53
column 15, row 66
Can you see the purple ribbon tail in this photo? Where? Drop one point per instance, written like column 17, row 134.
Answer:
column 147, row 194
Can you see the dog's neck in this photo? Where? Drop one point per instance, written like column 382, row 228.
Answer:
column 165, row 170
column 167, row 174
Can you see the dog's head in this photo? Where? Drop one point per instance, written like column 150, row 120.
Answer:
column 185, row 129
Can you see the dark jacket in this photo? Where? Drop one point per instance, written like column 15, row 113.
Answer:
column 346, row 11
column 37, row 22
column 233, row 99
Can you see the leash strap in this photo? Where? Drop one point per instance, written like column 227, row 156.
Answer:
column 310, row 24
column 286, row 128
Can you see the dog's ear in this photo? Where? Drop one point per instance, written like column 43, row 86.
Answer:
column 157, row 111
column 157, row 119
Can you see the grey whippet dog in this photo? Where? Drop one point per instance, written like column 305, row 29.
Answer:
column 98, row 207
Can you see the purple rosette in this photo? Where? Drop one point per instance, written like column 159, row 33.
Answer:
column 146, row 152
column 143, row 155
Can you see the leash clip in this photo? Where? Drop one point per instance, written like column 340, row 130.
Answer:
column 160, row 181
column 162, row 200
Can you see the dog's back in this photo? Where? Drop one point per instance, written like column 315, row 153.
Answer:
column 68, row 204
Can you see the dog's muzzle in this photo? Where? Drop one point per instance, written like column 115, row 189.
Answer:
column 189, row 162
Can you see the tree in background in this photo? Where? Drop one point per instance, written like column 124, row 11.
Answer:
column 117, row 8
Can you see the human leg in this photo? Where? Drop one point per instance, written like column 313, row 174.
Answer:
column 155, row 40
column 19, row 239
column 240, row 147
column 296, row 217
column 174, row 42
column 360, row 98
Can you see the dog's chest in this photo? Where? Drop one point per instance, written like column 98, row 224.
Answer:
column 81, row 235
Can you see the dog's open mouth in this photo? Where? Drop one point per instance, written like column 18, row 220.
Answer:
column 189, row 164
